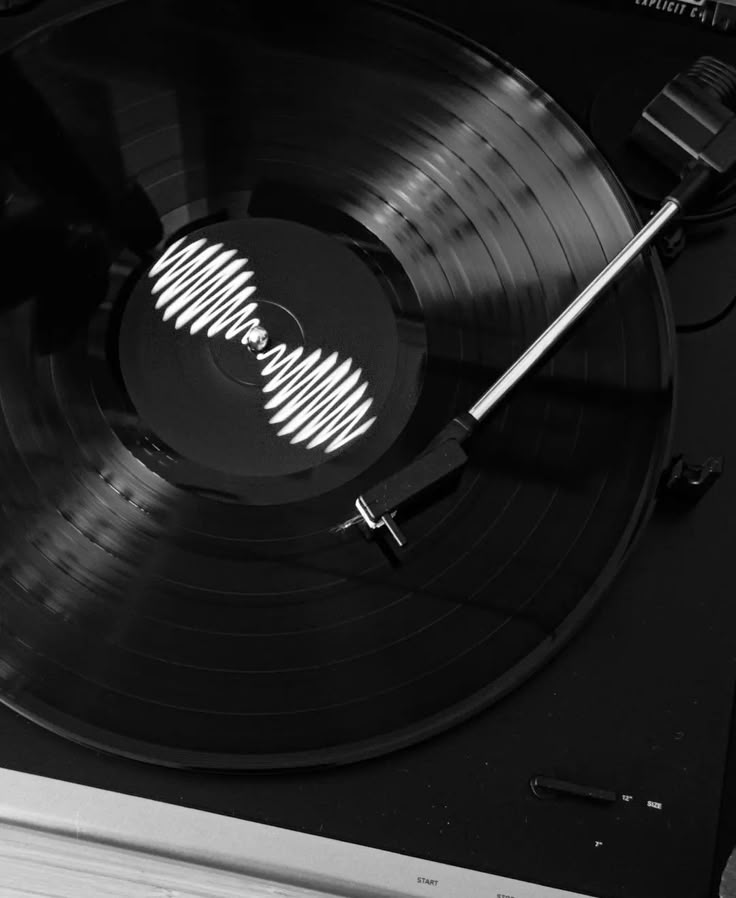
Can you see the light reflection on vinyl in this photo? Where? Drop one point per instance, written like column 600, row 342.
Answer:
column 171, row 587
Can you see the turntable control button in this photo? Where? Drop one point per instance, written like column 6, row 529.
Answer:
column 548, row 787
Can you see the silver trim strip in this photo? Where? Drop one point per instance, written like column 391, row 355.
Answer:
column 178, row 851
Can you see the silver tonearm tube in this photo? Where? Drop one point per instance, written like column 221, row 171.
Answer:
column 377, row 507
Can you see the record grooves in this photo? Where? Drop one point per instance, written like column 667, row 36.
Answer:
column 405, row 203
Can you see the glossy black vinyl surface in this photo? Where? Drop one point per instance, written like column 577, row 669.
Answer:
column 162, row 600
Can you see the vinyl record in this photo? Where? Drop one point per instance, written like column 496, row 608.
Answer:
column 398, row 213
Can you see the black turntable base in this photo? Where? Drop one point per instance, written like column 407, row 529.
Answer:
column 515, row 692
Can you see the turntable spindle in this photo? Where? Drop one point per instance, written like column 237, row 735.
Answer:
column 257, row 339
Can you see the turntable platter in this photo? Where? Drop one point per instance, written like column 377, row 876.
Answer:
column 404, row 203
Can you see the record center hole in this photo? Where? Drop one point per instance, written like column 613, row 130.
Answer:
column 257, row 339
column 238, row 360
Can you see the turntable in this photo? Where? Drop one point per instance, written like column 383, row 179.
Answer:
column 254, row 263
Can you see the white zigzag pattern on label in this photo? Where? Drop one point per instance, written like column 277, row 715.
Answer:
column 205, row 286
column 320, row 400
